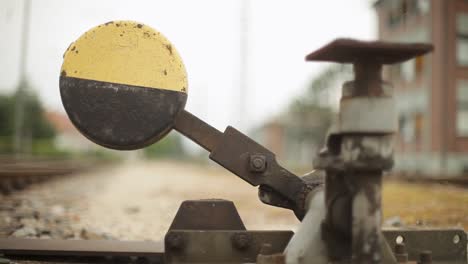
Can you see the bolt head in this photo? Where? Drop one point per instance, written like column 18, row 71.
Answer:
column 400, row 248
column 175, row 241
column 425, row 257
column 257, row 163
column 241, row 241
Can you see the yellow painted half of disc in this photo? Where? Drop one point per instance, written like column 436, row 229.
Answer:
column 126, row 52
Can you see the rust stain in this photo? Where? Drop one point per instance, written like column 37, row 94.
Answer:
column 139, row 25
column 63, row 73
column 169, row 48
column 165, row 72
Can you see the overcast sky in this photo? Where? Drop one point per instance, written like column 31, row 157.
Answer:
column 207, row 35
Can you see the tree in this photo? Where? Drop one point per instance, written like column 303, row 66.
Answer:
column 34, row 123
column 168, row 147
column 311, row 111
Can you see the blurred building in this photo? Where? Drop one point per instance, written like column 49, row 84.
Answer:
column 295, row 139
column 431, row 91
column 68, row 137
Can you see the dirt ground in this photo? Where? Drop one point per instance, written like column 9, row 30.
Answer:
column 426, row 204
column 138, row 200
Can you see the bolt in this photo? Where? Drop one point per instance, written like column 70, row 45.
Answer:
column 175, row 241
column 400, row 253
column 241, row 241
column 425, row 257
column 257, row 163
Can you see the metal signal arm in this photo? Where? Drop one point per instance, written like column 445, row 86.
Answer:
column 249, row 160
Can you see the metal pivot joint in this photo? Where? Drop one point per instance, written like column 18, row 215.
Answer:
column 360, row 148
column 249, row 160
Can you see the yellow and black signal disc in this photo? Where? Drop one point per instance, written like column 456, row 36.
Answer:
column 122, row 84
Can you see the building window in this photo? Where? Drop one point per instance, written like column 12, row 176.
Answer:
column 462, row 39
column 407, row 70
column 412, row 69
column 418, row 126
column 401, row 10
column 411, row 127
column 419, row 65
column 406, row 127
column 424, row 6
column 395, row 72
column 462, row 108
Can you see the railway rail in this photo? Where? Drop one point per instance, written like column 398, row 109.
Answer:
column 17, row 173
column 456, row 181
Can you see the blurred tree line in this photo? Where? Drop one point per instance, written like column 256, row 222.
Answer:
column 36, row 131
column 168, row 147
column 314, row 110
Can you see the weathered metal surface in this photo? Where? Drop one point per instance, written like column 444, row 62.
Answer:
column 126, row 52
column 351, row 51
column 366, row 217
column 357, row 152
column 120, row 116
column 234, row 153
column 250, row 161
column 197, row 130
column 122, row 84
column 221, row 246
column 447, row 245
column 307, row 245
column 45, row 247
column 360, row 149
column 376, row 115
column 210, row 214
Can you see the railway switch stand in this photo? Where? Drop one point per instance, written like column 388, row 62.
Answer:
column 124, row 86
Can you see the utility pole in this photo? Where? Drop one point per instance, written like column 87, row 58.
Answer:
column 21, row 89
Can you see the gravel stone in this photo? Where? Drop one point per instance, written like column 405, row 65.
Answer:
column 25, row 232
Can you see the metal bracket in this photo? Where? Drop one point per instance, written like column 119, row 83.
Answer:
column 446, row 245
column 222, row 246
column 249, row 160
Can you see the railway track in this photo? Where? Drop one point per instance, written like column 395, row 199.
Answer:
column 18, row 173
column 461, row 181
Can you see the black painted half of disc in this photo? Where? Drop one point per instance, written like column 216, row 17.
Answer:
column 119, row 116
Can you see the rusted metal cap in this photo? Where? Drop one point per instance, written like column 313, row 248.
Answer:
column 345, row 50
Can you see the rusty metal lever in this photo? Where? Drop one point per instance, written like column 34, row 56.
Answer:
column 249, row 160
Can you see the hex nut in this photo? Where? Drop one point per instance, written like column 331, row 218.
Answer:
column 241, row 241
column 175, row 241
column 257, row 163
